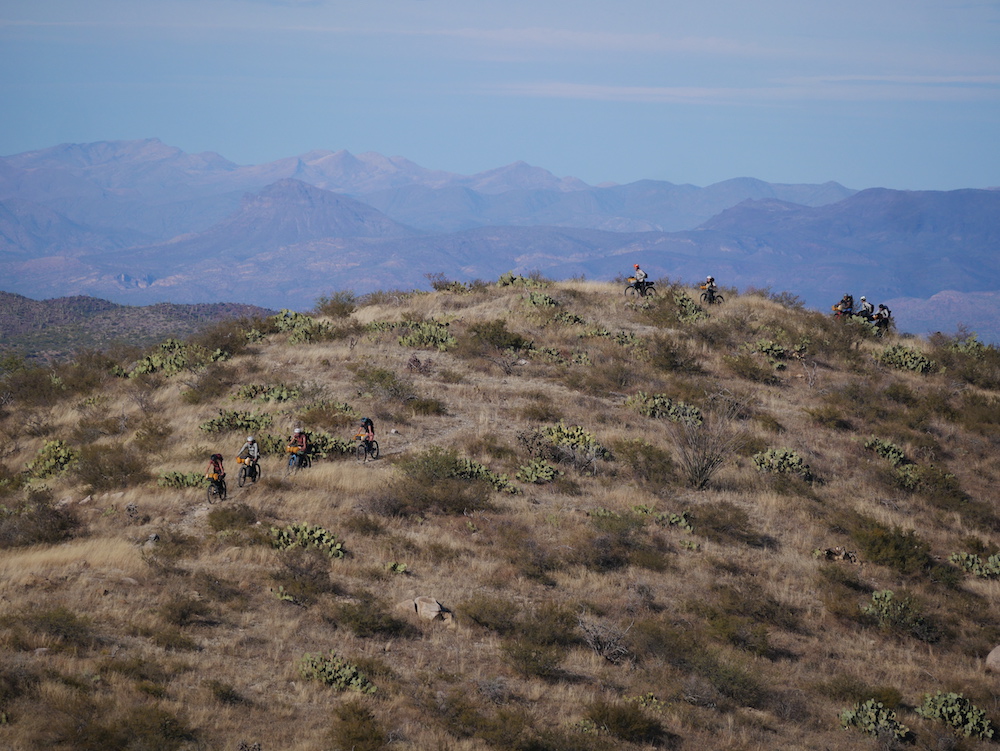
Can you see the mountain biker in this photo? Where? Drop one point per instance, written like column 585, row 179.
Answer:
column 881, row 318
column 367, row 430
column 846, row 305
column 298, row 444
column 250, row 453
column 710, row 288
column 867, row 310
column 640, row 279
column 215, row 470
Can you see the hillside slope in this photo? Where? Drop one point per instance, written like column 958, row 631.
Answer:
column 623, row 506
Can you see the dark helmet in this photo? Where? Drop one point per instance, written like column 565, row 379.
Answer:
column 216, row 457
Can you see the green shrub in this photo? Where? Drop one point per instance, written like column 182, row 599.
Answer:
column 873, row 718
column 383, row 385
column 335, row 672
column 783, row 462
column 52, row 458
column 905, row 358
column 662, row 406
column 896, row 548
column 307, row 536
column 890, row 451
column 901, row 615
column 974, row 565
column 274, row 393
column 235, row 421
column 428, row 334
column 533, row 660
column 565, row 444
column 537, row 472
column 182, row 480
column 958, row 712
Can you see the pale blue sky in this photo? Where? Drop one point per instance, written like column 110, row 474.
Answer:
column 892, row 93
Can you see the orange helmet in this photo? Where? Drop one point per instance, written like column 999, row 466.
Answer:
column 636, row 265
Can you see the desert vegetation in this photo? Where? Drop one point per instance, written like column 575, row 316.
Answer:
column 638, row 523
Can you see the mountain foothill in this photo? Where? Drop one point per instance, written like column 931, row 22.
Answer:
column 142, row 222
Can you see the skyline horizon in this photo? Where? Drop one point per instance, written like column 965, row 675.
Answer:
column 898, row 94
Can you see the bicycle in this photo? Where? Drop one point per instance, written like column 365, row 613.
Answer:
column 216, row 489
column 248, row 471
column 297, row 461
column 365, row 449
column 640, row 289
column 712, row 298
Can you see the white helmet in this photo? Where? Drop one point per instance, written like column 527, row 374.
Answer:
column 297, row 430
column 249, row 439
column 863, row 297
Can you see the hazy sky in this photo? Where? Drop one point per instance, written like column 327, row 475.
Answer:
column 893, row 93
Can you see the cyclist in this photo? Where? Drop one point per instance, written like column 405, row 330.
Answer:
column 298, row 444
column 866, row 310
column 215, row 469
column 710, row 288
column 249, row 454
column 640, row 279
column 367, row 431
column 846, row 305
column 882, row 318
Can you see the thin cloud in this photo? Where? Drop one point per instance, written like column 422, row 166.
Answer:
column 839, row 91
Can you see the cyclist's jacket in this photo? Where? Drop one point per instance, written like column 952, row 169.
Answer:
column 640, row 275
column 299, row 440
column 250, row 451
column 215, row 470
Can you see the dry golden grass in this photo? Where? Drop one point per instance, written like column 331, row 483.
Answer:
column 736, row 627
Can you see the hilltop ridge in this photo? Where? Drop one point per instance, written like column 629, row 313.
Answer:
column 650, row 523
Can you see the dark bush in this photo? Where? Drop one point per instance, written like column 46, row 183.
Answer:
column 59, row 623
column 112, row 466
column 210, row 384
column 338, row 305
column 367, row 616
column 356, row 727
column 725, row 522
column 237, row 516
column 35, row 521
column 185, row 611
column 628, row 722
column 901, row 550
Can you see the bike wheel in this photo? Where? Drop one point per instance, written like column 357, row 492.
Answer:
column 704, row 297
column 360, row 452
column 292, row 465
column 223, row 490
column 719, row 299
column 213, row 492
column 374, row 450
column 254, row 473
column 631, row 291
column 241, row 478
column 650, row 292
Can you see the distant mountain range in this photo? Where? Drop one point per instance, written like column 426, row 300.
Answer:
column 140, row 222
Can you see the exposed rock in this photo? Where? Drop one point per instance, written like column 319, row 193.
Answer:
column 428, row 609
column 993, row 661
